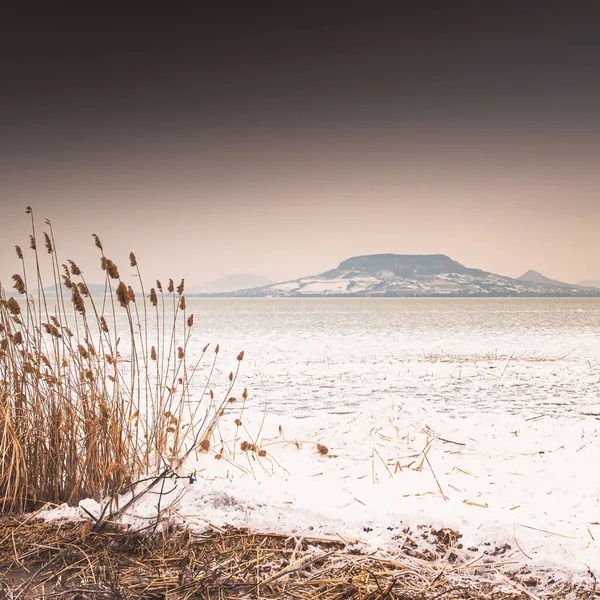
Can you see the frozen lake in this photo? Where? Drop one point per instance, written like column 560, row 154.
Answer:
column 455, row 356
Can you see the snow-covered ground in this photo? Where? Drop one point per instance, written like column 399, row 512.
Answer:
column 480, row 415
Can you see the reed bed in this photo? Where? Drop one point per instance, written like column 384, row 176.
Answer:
column 71, row 560
column 95, row 392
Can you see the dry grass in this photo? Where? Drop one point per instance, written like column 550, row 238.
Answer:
column 72, row 561
column 94, row 392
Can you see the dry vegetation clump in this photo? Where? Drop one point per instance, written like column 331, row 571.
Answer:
column 74, row 561
column 94, row 391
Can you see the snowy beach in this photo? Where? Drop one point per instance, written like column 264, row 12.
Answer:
column 478, row 415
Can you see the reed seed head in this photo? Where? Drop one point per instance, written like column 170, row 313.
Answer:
column 232, row 400
column 19, row 252
column 122, row 295
column 262, row 453
column 78, row 302
column 240, row 356
column 131, row 294
column 17, row 338
column 217, row 349
column 52, row 330
column 180, row 353
column 132, row 259
column 205, row 445
column 159, row 286
column 231, row 376
column 83, row 352
column 182, row 303
column 103, row 325
column 13, row 307
column 75, row 270
column 238, row 422
column 244, row 446
column 83, row 289
column 32, row 243
column 153, row 297
column 171, row 287
column 245, row 394
column 111, row 269
column 19, row 284
column 322, row 450
column 153, row 353
column 97, row 242
column 180, row 287
column 48, row 243
column 190, row 320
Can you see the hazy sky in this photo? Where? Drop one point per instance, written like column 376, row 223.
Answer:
column 281, row 138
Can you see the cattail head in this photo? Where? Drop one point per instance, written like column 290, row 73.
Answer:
column 180, row 287
column 19, row 252
column 122, row 295
column 322, row 450
column 75, row 270
column 48, row 243
column 171, row 287
column 153, row 297
column 182, row 303
column 19, row 284
column 97, row 241
column 205, row 445
column 190, row 320
column 132, row 259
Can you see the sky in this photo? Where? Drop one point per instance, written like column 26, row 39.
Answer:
column 280, row 138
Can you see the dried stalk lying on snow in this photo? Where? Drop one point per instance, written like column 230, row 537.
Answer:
column 72, row 561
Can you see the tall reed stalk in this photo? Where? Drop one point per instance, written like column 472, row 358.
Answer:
column 95, row 393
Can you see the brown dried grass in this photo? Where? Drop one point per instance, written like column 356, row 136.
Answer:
column 71, row 560
column 79, row 416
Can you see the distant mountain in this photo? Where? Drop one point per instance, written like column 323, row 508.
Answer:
column 594, row 283
column 230, row 283
column 398, row 275
column 535, row 277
